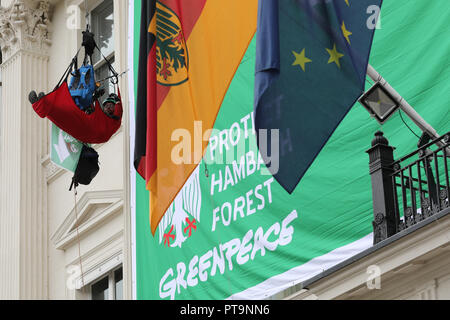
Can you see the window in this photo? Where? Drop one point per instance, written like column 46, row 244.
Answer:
column 109, row 287
column 102, row 21
column 102, row 72
column 100, row 290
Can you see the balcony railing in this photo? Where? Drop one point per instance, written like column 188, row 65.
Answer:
column 421, row 183
column 411, row 189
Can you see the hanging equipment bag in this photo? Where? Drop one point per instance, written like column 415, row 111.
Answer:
column 87, row 167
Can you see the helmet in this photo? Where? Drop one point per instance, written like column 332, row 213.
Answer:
column 112, row 98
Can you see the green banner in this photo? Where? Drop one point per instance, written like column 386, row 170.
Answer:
column 66, row 150
column 233, row 232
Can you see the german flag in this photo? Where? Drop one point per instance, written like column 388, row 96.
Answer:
column 189, row 53
column 144, row 156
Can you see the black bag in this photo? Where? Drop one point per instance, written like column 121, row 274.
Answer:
column 87, row 167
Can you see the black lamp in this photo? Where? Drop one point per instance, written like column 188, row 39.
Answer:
column 379, row 102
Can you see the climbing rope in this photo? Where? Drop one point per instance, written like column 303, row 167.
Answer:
column 88, row 14
column 78, row 236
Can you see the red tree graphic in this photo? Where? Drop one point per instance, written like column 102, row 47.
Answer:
column 191, row 225
column 169, row 236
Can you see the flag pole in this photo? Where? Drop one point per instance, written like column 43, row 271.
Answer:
column 404, row 105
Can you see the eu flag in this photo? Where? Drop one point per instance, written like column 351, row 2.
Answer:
column 311, row 64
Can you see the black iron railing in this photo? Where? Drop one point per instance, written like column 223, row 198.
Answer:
column 411, row 189
column 421, row 183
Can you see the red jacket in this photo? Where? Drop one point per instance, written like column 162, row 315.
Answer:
column 60, row 108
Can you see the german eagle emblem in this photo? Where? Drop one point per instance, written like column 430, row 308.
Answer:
column 171, row 50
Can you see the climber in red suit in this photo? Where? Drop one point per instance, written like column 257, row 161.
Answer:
column 59, row 107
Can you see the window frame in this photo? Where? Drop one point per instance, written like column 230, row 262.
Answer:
column 101, row 63
column 92, row 21
column 112, row 294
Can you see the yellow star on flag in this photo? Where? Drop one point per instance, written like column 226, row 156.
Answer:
column 335, row 56
column 345, row 32
column 300, row 59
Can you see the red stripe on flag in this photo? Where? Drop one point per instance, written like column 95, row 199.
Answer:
column 150, row 162
column 156, row 94
column 188, row 16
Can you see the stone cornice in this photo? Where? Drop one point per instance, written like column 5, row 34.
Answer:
column 81, row 216
column 52, row 171
column 24, row 25
column 404, row 256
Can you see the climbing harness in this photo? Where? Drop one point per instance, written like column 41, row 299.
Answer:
column 82, row 86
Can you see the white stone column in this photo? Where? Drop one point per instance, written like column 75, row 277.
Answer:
column 121, row 54
column 24, row 41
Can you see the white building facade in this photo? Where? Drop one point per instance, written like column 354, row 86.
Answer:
column 51, row 248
